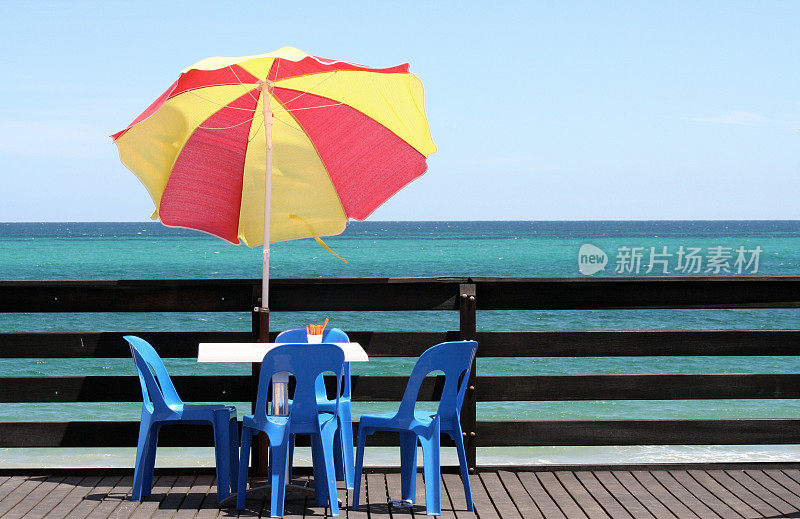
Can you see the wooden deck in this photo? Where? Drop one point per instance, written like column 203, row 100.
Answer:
column 690, row 493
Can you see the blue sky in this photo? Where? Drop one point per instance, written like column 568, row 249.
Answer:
column 540, row 110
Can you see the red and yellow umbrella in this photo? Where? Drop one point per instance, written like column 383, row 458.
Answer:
column 278, row 146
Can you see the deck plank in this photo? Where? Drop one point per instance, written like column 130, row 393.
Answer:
column 744, row 494
column 581, row 496
column 764, row 479
column 10, row 485
column 522, row 500
column 560, row 495
column 448, row 508
column 115, row 497
column 19, row 493
column 394, row 490
column 73, row 497
column 636, row 489
column 194, row 498
column 610, row 505
column 53, row 498
column 540, row 497
column 149, row 504
column 209, row 507
column 377, row 496
column 176, row 495
column 458, row 499
column 764, row 493
column 703, row 494
column 497, row 492
column 663, row 494
column 628, row 501
column 484, row 507
column 33, row 498
column 295, row 505
column 683, row 495
column 713, row 486
column 94, row 498
column 792, row 473
column 784, row 480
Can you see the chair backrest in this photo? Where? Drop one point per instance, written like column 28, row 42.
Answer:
column 158, row 393
column 455, row 360
column 306, row 362
column 328, row 335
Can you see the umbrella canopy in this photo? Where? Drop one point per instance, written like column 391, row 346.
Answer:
column 311, row 140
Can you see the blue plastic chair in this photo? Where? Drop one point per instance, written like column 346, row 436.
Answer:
column 161, row 404
column 306, row 363
column 455, row 360
column 344, row 461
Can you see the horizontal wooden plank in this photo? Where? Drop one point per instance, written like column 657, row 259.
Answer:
column 638, row 387
column 638, row 343
column 489, row 434
column 121, row 388
column 401, row 294
column 367, row 388
column 637, row 292
column 108, row 344
column 412, row 344
column 637, row 432
column 125, row 434
column 229, row 295
column 192, row 388
column 184, row 344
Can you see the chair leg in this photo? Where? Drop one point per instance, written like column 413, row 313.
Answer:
column 278, row 467
column 150, row 459
column 362, row 439
column 320, row 475
column 462, row 462
column 233, row 451
column 291, row 456
column 345, row 438
column 433, row 471
column 244, row 464
column 408, row 465
column 327, row 439
column 222, row 454
column 142, row 455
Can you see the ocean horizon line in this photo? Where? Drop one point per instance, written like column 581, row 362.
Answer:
column 678, row 220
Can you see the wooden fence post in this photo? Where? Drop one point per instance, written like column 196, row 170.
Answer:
column 260, row 331
column 467, row 330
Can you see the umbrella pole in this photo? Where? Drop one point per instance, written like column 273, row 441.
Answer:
column 264, row 313
column 260, row 451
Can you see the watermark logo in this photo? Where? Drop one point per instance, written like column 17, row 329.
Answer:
column 591, row 259
column 717, row 260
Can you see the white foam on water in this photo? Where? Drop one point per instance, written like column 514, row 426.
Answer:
column 390, row 456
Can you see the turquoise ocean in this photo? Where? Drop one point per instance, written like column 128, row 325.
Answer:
column 51, row 251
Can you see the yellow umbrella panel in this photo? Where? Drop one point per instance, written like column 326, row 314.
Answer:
column 344, row 139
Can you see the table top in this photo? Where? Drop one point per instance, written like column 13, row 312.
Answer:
column 255, row 351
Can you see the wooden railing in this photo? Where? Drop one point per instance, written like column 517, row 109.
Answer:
column 463, row 295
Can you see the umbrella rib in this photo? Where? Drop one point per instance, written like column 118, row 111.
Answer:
column 231, row 126
column 306, row 107
column 260, row 125
column 309, row 91
column 247, row 90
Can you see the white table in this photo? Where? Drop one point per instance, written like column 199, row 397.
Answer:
column 253, row 352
